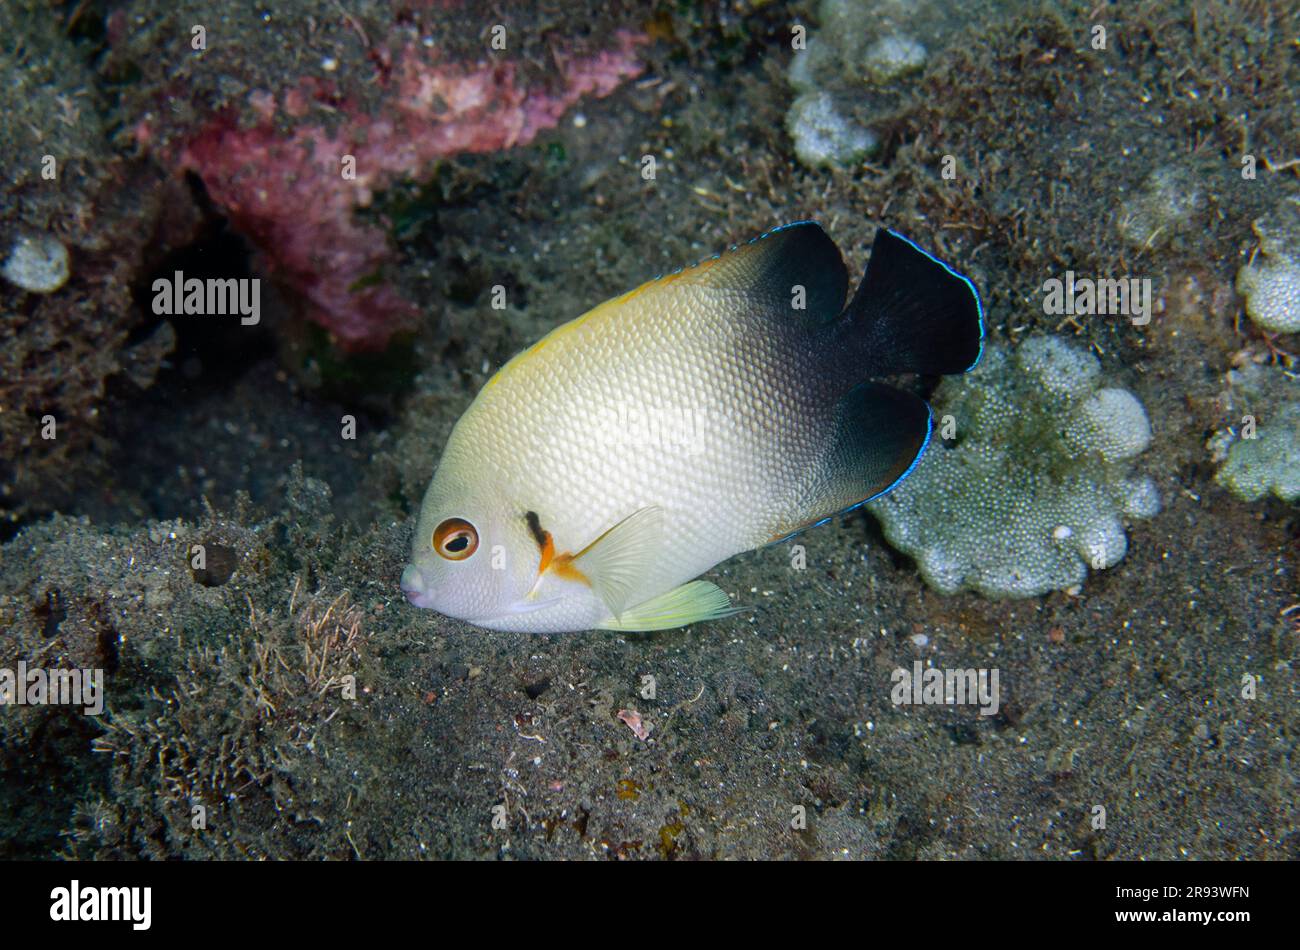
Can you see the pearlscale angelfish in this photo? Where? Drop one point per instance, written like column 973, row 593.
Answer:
column 708, row 412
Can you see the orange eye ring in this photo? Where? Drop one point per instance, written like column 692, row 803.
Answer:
column 455, row 539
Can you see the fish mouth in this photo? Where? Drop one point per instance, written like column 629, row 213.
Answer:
column 412, row 585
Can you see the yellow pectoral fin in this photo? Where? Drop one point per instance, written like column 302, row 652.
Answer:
column 564, row 569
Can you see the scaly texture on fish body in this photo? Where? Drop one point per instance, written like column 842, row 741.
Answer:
column 704, row 414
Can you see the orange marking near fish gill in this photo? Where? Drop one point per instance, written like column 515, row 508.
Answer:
column 548, row 553
column 561, row 565
column 564, row 568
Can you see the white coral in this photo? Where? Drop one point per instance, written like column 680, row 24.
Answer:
column 1271, row 282
column 822, row 135
column 1263, row 456
column 1037, row 487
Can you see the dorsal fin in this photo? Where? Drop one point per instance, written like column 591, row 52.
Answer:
column 770, row 269
column 764, row 275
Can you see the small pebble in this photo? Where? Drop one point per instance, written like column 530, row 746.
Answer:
column 37, row 264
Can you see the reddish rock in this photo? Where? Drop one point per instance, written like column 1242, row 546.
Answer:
column 283, row 183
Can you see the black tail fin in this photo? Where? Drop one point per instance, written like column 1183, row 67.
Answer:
column 912, row 313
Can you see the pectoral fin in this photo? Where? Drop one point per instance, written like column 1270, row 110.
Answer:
column 690, row 603
column 621, row 557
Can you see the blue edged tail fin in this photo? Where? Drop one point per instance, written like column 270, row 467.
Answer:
column 912, row 313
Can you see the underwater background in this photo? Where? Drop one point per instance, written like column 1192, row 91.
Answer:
column 213, row 510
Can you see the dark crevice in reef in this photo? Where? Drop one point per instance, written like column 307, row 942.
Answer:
column 211, row 351
column 42, row 779
column 232, row 408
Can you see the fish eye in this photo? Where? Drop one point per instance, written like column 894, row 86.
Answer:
column 455, row 539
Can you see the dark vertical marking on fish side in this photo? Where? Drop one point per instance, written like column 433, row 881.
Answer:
column 912, row 313
column 535, row 526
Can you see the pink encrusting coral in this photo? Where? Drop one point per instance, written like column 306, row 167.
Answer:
column 288, row 193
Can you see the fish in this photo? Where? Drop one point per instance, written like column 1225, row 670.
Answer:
column 710, row 411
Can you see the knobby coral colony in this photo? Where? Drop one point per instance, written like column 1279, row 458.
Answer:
column 1270, row 281
column 1013, row 502
column 1261, row 449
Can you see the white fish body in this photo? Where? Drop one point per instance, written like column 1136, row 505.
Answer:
column 635, row 447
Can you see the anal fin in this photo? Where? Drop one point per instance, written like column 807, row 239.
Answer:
column 880, row 435
column 690, row 603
